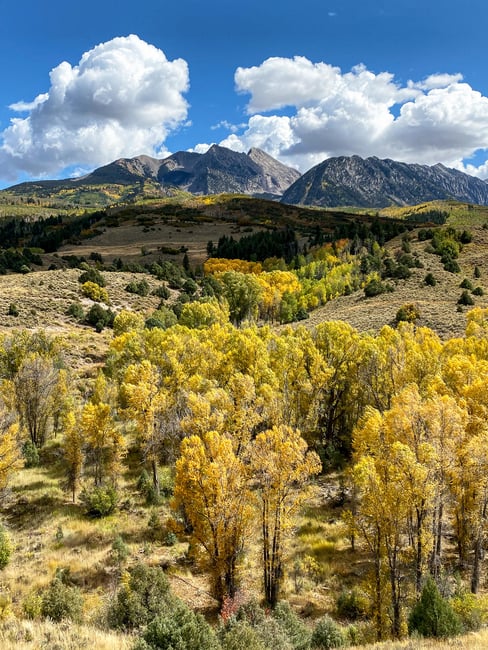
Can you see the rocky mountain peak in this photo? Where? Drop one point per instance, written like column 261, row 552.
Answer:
column 376, row 183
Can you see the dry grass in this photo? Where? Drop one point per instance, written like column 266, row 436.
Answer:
column 128, row 240
column 44, row 297
column 472, row 641
column 30, row 635
column 438, row 304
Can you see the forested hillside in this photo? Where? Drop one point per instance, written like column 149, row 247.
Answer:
column 190, row 459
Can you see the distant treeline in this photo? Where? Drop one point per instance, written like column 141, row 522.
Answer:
column 379, row 230
column 432, row 216
column 258, row 246
column 48, row 234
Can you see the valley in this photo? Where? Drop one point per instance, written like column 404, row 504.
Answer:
column 166, row 362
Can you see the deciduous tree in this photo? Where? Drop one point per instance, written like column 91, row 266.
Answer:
column 281, row 466
column 211, row 484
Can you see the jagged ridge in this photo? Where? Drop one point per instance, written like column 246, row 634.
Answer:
column 218, row 170
column 375, row 183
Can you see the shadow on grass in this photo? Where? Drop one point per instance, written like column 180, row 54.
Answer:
column 29, row 487
column 32, row 513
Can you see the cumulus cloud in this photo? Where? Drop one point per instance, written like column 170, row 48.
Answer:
column 122, row 99
column 331, row 113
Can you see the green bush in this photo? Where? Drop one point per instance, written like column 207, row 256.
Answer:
column 296, row 631
column 96, row 257
column 61, row 601
column 466, row 284
column 76, row 311
column 327, row 634
column 162, row 318
column 401, row 272
column 99, row 501
column 452, row 266
column 166, row 484
column 238, row 635
column 251, row 612
column 408, row 313
column 465, row 299
column 190, row 286
column 478, row 291
column 375, row 288
column 425, row 234
column 273, row 635
column 13, row 310
column 430, row 280
column 170, row 538
column 99, row 317
column 92, row 275
column 433, row 616
column 178, row 628
column 5, row 548
column 141, row 597
column 30, row 454
column 477, row 272
column 352, row 605
column 140, row 288
column 162, row 292
column 120, row 551
column 470, row 611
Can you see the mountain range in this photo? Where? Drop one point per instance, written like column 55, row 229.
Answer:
column 216, row 171
column 375, row 183
column 341, row 181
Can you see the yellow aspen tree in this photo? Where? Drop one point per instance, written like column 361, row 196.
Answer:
column 144, row 397
column 245, row 411
column 446, row 420
column 477, row 466
column 74, row 440
column 105, row 443
column 407, row 423
column 35, row 393
column 281, row 466
column 205, row 411
column 63, row 402
column 367, row 523
column 393, row 476
column 302, row 377
column 342, row 401
column 211, row 485
column 202, row 314
column 10, row 455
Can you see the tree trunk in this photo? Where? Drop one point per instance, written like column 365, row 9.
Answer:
column 395, row 595
column 419, row 558
column 155, row 477
column 475, row 576
column 378, row 616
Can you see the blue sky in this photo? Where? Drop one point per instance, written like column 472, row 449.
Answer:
column 85, row 83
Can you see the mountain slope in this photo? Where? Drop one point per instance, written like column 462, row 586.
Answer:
column 216, row 171
column 375, row 183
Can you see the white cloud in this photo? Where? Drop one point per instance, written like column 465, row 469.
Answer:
column 203, row 147
column 121, row 100
column 331, row 113
column 228, row 126
column 439, row 81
